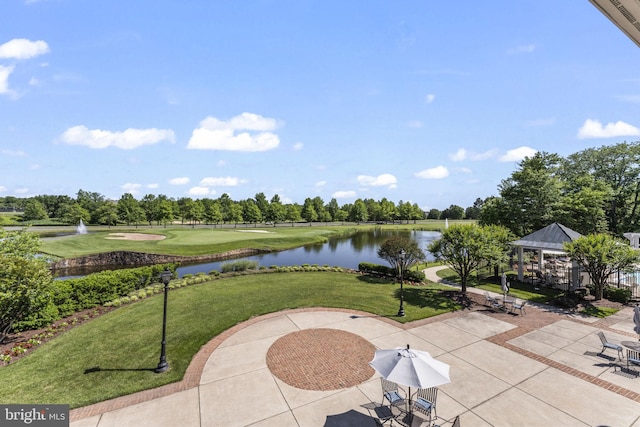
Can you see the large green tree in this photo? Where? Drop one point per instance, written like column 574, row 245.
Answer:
column 531, row 195
column 401, row 252
column 618, row 168
column 466, row 247
column 601, row 255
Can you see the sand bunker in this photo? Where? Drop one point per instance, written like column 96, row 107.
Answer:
column 134, row 236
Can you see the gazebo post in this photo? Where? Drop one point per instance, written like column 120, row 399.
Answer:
column 520, row 264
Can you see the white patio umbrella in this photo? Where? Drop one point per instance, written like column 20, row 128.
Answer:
column 410, row 368
column 636, row 319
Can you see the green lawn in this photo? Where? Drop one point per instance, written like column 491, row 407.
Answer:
column 186, row 241
column 521, row 290
column 114, row 354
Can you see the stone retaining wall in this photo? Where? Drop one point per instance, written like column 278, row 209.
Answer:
column 127, row 258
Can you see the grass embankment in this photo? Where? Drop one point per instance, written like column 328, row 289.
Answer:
column 114, row 355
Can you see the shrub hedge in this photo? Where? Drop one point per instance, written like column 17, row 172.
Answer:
column 383, row 270
column 72, row 295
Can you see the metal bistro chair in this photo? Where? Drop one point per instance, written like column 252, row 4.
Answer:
column 425, row 401
column 391, row 393
column 520, row 306
column 492, row 302
column 606, row 344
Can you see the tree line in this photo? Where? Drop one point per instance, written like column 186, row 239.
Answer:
column 596, row 190
column 94, row 208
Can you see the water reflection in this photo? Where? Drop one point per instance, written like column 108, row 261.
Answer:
column 345, row 252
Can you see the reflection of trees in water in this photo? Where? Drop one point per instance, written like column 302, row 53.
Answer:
column 372, row 239
column 316, row 248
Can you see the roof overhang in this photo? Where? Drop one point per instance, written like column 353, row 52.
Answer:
column 624, row 13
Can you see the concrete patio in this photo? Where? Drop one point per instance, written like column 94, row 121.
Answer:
column 501, row 375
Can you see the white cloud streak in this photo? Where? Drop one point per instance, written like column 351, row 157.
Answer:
column 226, row 181
column 439, row 172
column 246, row 132
column 518, row 154
column 132, row 188
column 179, row 181
column 23, row 49
column 594, row 129
column 344, row 195
column 385, row 179
column 126, row 140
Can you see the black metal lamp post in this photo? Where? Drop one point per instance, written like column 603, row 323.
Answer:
column 163, row 365
column 401, row 256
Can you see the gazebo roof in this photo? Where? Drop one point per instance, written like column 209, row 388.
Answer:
column 551, row 238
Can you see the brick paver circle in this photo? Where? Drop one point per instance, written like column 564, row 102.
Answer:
column 321, row 359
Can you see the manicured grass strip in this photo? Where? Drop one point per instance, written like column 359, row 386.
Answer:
column 189, row 241
column 114, row 355
column 518, row 289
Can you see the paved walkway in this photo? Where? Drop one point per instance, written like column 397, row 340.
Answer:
column 308, row 367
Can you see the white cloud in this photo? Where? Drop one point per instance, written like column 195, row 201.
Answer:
column 523, row 48
column 3, row 189
column 635, row 99
column 34, row 167
column 221, row 163
column 132, row 188
column 416, row 124
column 126, row 140
column 4, row 79
column 429, row 98
column 483, row 156
column 153, row 186
column 377, row 181
column 245, row 132
column 540, row 122
column 13, row 153
column 438, row 172
column 594, row 129
column 464, row 154
column 518, row 154
column 179, row 181
column 298, row 146
column 227, row 181
column 23, row 49
column 198, row 191
column 321, row 184
column 344, row 195
column 459, row 155
column 23, row 190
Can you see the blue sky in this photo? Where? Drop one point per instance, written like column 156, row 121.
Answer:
column 422, row 101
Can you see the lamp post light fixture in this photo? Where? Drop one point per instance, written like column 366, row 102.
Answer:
column 163, row 365
column 401, row 257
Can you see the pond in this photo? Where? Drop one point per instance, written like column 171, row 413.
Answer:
column 345, row 252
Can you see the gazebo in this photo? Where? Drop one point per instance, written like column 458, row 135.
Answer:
column 549, row 239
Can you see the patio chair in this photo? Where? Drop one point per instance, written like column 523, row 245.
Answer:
column 426, row 401
column 633, row 359
column 391, row 393
column 606, row 344
column 520, row 306
column 492, row 302
column 456, row 422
